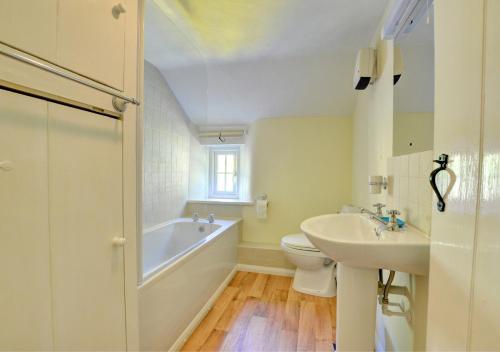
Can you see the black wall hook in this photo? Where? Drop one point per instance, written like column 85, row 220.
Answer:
column 443, row 163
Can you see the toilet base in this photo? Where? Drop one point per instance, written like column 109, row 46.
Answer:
column 320, row 282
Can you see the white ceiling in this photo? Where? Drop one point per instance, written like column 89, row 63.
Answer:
column 235, row 61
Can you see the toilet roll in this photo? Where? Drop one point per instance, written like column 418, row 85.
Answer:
column 261, row 208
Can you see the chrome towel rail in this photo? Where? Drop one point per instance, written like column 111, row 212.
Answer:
column 39, row 94
column 120, row 106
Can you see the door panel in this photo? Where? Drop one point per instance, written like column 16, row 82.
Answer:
column 30, row 26
column 485, row 322
column 25, row 295
column 85, row 192
column 91, row 41
column 457, row 131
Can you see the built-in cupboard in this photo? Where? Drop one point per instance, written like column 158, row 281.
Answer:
column 61, row 258
column 85, row 36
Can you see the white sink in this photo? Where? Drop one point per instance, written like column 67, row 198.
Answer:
column 351, row 239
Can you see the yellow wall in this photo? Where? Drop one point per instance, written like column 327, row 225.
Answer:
column 372, row 147
column 304, row 166
column 373, row 125
column 414, row 127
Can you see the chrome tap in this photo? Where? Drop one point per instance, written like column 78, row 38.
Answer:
column 392, row 225
column 374, row 216
column 211, row 218
column 195, row 217
column 379, row 207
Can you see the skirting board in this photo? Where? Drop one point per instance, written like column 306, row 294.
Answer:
column 203, row 312
column 265, row 270
column 206, row 308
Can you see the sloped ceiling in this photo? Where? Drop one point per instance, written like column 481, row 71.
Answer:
column 235, row 61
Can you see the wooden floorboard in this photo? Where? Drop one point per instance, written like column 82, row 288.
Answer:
column 260, row 312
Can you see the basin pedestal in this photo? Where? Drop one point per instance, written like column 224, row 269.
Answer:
column 356, row 308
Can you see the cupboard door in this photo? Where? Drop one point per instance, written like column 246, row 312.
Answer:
column 485, row 318
column 25, row 295
column 91, row 41
column 30, row 26
column 85, row 198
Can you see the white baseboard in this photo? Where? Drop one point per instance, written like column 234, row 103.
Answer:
column 265, row 270
column 177, row 345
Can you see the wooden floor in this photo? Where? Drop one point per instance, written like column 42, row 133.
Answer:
column 259, row 312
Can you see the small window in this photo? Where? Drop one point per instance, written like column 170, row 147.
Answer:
column 224, row 172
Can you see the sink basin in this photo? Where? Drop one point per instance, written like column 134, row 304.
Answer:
column 351, row 239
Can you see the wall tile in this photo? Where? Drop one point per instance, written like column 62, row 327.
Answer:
column 413, row 165
column 410, row 190
column 165, row 151
column 404, row 169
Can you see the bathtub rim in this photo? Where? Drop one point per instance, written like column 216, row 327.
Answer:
column 178, row 259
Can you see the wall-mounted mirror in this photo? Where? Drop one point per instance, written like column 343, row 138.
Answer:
column 414, row 91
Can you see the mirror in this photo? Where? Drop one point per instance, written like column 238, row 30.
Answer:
column 414, row 92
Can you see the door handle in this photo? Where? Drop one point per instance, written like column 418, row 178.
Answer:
column 443, row 163
column 119, row 241
column 6, row 165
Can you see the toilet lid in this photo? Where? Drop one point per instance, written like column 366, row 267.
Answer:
column 299, row 241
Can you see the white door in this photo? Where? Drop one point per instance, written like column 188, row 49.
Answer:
column 485, row 317
column 25, row 294
column 91, row 40
column 30, row 26
column 457, row 132
column 85, row 197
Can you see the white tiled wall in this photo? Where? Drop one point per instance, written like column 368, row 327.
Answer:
column 166, row 151
column 409, row 189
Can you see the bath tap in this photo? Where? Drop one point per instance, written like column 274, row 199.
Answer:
column 195, row 217
column 211, row 218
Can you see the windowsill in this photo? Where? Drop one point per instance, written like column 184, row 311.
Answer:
column 221, row 201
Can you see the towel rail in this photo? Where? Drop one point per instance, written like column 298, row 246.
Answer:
column 35, row 93
column 16, row 55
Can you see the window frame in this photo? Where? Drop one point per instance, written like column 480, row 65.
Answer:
column 214, row 151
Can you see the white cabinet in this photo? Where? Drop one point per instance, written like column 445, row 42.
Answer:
column 85, row 193
column 30, row 26
column 83, row 36
column 61, row 275
column 91, row 41
column 25, row 292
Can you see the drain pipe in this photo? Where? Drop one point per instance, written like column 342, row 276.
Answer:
column 387, row 286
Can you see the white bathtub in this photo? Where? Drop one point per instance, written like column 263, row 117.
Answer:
column 184, row 263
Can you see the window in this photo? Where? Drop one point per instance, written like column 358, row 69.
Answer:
column 224, row 172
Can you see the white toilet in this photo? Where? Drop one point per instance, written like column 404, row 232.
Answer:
column 316, row 273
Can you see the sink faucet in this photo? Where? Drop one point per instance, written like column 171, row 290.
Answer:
column 392, row 225
column 195, row 217
column 379, row 207
column 374, row 216
column 211, row 218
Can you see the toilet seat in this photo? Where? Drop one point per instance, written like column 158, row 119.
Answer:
column 299, row 242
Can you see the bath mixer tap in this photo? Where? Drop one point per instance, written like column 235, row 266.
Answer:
column 195, row 217
column 211, row 218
